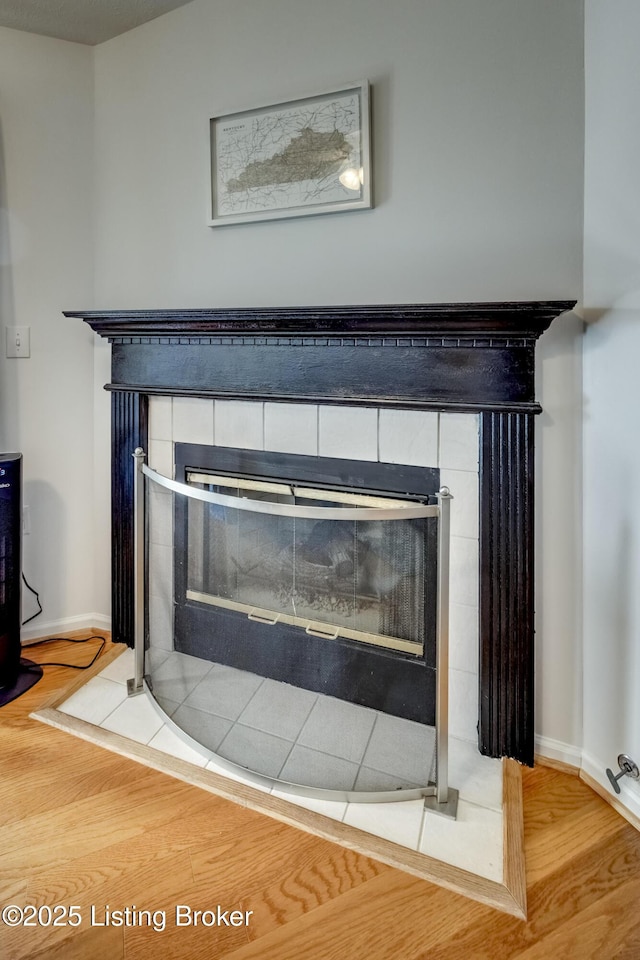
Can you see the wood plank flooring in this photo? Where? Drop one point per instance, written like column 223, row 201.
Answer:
column 82, row 826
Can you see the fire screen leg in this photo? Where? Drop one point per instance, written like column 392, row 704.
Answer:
column 445, row 801
column 135, row 686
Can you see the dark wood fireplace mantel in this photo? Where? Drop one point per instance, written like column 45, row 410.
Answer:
column 471, row 357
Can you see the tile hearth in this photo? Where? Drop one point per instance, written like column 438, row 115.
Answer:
column 474, row 842
column 286, row 733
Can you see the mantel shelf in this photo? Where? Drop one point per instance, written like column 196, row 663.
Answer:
column 527, row 319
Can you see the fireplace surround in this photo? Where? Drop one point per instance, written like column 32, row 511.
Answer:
column 465, row 358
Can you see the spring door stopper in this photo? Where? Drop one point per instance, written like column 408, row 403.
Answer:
column 628, row 768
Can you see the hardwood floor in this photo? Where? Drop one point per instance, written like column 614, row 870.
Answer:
column 82, row 826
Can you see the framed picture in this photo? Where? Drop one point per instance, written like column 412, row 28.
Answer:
column 292, row 159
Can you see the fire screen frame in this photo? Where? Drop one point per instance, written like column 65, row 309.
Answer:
column 438, row 796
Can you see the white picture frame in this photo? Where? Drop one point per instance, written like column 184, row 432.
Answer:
column 293, row 159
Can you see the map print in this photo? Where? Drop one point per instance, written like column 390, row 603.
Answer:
column 287, row 157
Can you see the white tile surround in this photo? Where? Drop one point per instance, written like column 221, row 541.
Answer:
column 473, row 842
column 448, row 441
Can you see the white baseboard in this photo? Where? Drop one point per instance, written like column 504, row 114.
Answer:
column 46, row 628
column 557, row 750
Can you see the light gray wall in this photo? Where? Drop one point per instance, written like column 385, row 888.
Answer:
column 477, row 148
column 46, row 265
column 558, row 562
column 478, row 158
column 612, row 395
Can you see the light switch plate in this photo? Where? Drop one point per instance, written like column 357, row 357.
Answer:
column 18, row 341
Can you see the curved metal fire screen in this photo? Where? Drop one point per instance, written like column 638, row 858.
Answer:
column 343, row 567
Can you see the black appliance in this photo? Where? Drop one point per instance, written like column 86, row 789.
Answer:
column 17, row 675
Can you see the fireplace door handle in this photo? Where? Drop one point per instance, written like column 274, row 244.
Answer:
column 261, row 617
column 323, row 634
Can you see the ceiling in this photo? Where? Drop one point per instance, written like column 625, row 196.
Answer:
column 82, row 21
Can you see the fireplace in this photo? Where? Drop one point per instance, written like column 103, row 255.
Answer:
column 473, row 360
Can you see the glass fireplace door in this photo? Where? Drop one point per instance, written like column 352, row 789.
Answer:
column 363, row 580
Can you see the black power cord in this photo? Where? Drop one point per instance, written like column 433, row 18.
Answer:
column 72, row 666
column 37, row 596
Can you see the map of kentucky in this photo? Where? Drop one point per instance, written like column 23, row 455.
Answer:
column 287, row 157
